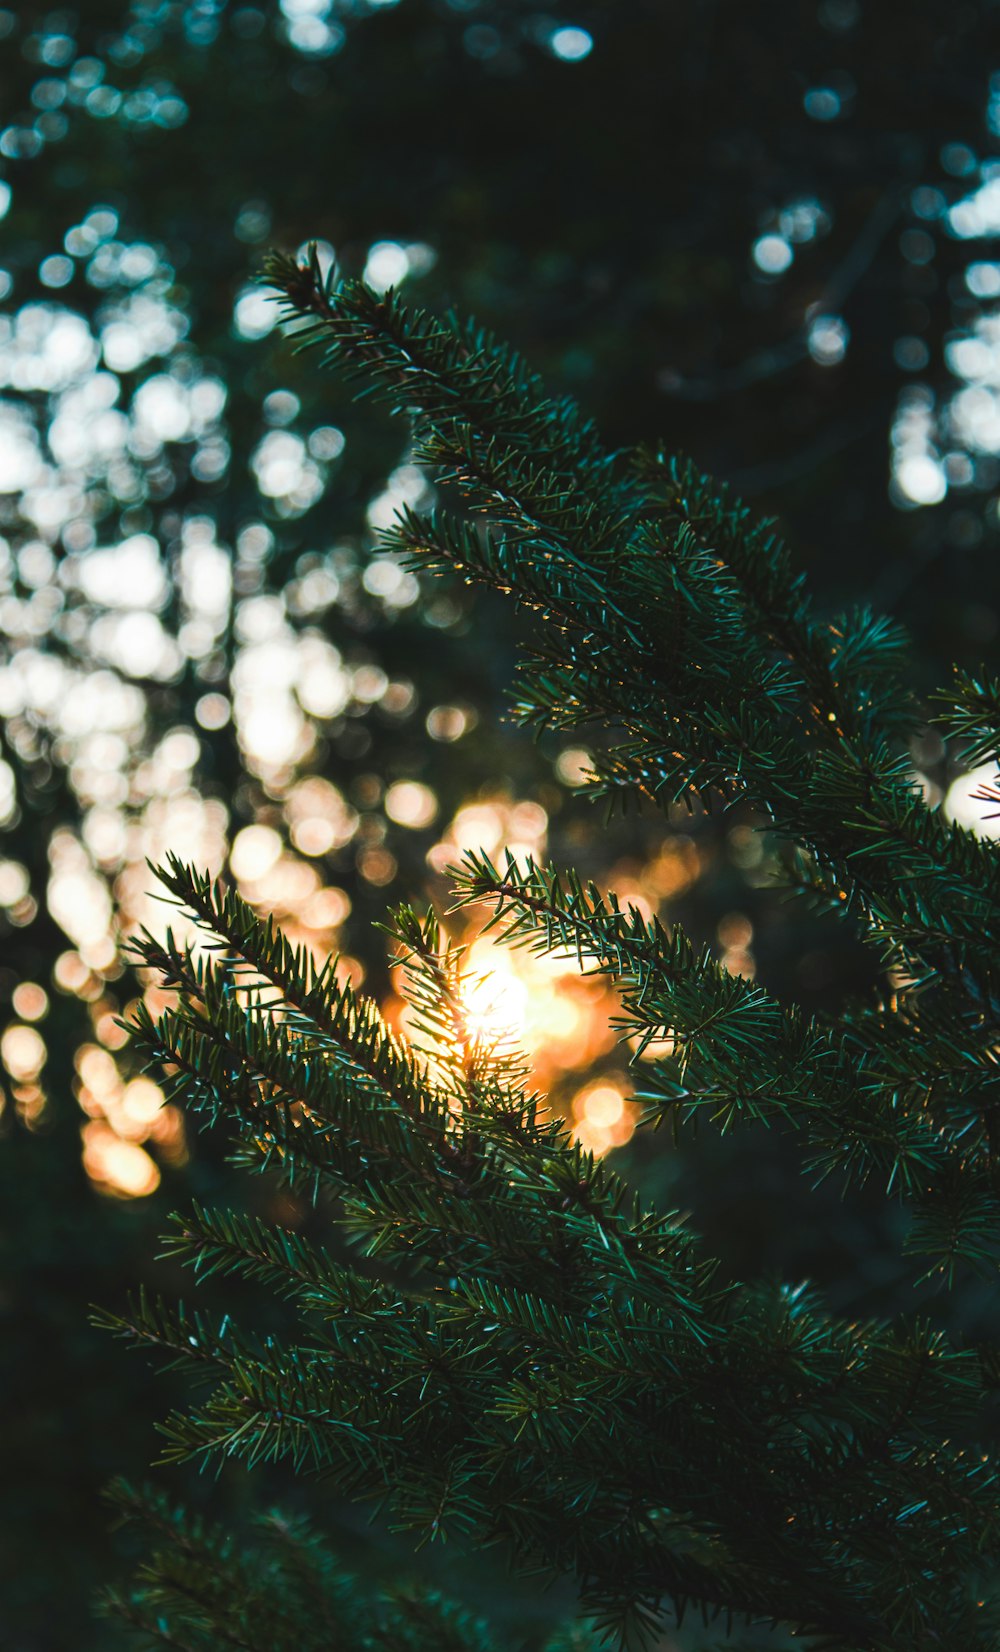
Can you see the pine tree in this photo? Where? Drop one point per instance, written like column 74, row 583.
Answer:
column 525, row 1354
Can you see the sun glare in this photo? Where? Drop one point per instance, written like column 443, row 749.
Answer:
column 495, row 1000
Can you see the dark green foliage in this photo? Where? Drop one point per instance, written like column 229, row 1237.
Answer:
column 528, row 1355
column 275, row 1589
column 738, row 1052
column 563, row 1371
column 629, row 280
column 716, row 685
column 973, row 713
column 715, row 680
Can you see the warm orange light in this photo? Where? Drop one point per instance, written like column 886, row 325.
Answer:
column 111, row 1035
column 119, row 1167
column 30, row 1001
column 657, row 1049
column 314, row 835
column 604, row 1118
column 674, row 869
column 448, row 723
column 327, row 909
column 30, row 1101
column 167, row 1130
column 98, row 1071
column 603, row 1106
column 23, row 1051
column 735, row 930
column 495, row 1002
column 141, row 1102
column 377, row 866
column 409, row 803
column 573, row 766
column 73, row 975
column 255, row 850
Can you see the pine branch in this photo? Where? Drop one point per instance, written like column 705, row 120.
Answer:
column 971, row 711
column 275, row 1588
column 220, row 1242
column 570, row 1378
column 442, row 369
column 741, row 1055
column 850, row 667
column 823, row 771
column 483, row 1071
column 327, row 1016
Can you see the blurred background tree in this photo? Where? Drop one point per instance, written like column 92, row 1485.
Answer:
column 760, row 235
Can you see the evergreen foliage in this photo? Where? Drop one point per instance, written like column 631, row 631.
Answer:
column 528, row 1355
column 278, row 1589
column 637, row 287
column 666, row 616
